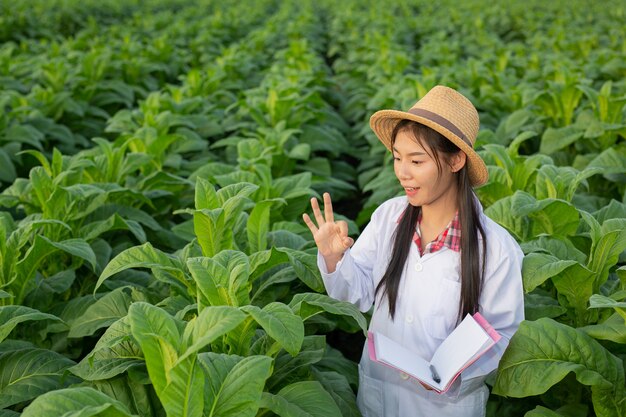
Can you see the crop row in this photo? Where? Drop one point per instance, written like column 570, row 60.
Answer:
column 157, row 158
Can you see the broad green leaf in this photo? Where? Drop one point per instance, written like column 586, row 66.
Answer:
column 104, row 312
column 258, row 226
column 289, row 368
column 136, row 397
column 305, row 266
column 114, row 353
column 183, row 395
column 576, row 284
column 538, row 267
column 76, row 402
column 11, row 316
column 281, row 324
column 29, row 372
column 210, row 228
column 159, row 338
column 610, row 161
column 240, row 189
column 212, row 323
column 206, row 196
column 556, row 139
column 613, row 328
column 338, row 387
column 605, row 253
column 561, row 248
column 309, row 304
column 335, row 361
column 234, row 384
column 144, row 256
column 301, row 399
column 540, row 411
column 44, row 247
column 600, row 301
column 7, row 168
column 543, row 352
column 537, row 306
column 221, row 280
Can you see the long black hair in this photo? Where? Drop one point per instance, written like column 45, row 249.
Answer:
column 472, row 266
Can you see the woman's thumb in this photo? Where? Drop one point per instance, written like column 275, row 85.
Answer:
column 348, row 242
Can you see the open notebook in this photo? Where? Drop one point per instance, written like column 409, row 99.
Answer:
column 472, row 337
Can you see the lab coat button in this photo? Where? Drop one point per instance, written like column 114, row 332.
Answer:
column 409, row 318
column 418, row 267
column 404, row 375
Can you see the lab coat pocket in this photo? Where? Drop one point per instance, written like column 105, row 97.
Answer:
column 370, row 395
column 443, row 316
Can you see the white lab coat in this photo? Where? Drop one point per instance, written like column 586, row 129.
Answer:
column 426, row 312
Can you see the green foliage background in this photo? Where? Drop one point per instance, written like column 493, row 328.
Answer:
column 156, row 157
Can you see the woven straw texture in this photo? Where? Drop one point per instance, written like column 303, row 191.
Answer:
column 449, row 113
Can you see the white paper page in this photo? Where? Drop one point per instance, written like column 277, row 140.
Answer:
column 396, row 355
column 467, row 340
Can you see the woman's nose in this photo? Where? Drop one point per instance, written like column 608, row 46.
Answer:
column 403, row 170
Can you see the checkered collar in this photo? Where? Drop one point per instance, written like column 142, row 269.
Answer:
column 450, row 237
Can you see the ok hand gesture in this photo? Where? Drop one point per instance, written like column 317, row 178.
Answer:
column 331, row 237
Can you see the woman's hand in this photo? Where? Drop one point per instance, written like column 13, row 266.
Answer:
column 331, row 237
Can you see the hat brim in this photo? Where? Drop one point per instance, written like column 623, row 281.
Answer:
column 384, row 121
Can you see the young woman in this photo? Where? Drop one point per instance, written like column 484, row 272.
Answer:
column 426, row 259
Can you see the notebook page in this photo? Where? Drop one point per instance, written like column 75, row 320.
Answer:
column 466, row 341
column 396, row 355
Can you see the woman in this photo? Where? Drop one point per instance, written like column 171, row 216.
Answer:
column 426, row 259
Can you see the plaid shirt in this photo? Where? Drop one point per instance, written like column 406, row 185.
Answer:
column 450, row 237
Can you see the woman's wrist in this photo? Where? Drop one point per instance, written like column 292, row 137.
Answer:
column 332, row 261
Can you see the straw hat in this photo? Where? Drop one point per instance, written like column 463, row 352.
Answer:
column 449, row 113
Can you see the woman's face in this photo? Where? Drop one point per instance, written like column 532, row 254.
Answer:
column 419, row 175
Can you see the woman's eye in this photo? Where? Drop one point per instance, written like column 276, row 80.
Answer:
column 417, row 162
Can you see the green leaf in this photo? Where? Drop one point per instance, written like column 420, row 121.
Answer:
column 543, row 352
column 305, row 266
column 206, row 196
column 289, row 368
column 138, row 398
column 76, row 402
column 104, row 312
column 281, row 324
column 338, row 387
column 540, row 411
column 537, row 306
column 144, row 256
column 606, row 251
column 159, row 338
column 221, row 280
column 210, row 228
column 576, row 284
column 258, row 226
column 183, row 396
column 11, row 316
column 538, row 267
column 301, row 399
column 556, row 139
column 28, row 372
column 612, row 329
column 234, row 384
column 212, row 323
column 308, row 305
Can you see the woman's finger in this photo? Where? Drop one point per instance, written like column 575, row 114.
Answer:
column 316, row 212
column 328, row 209
column 343, row 228
column 309, row 222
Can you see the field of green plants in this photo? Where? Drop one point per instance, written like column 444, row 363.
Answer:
column 156, row 158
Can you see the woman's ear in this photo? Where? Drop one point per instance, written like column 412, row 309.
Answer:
column 457, row 161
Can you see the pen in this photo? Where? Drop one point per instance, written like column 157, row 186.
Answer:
column 434, row 373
